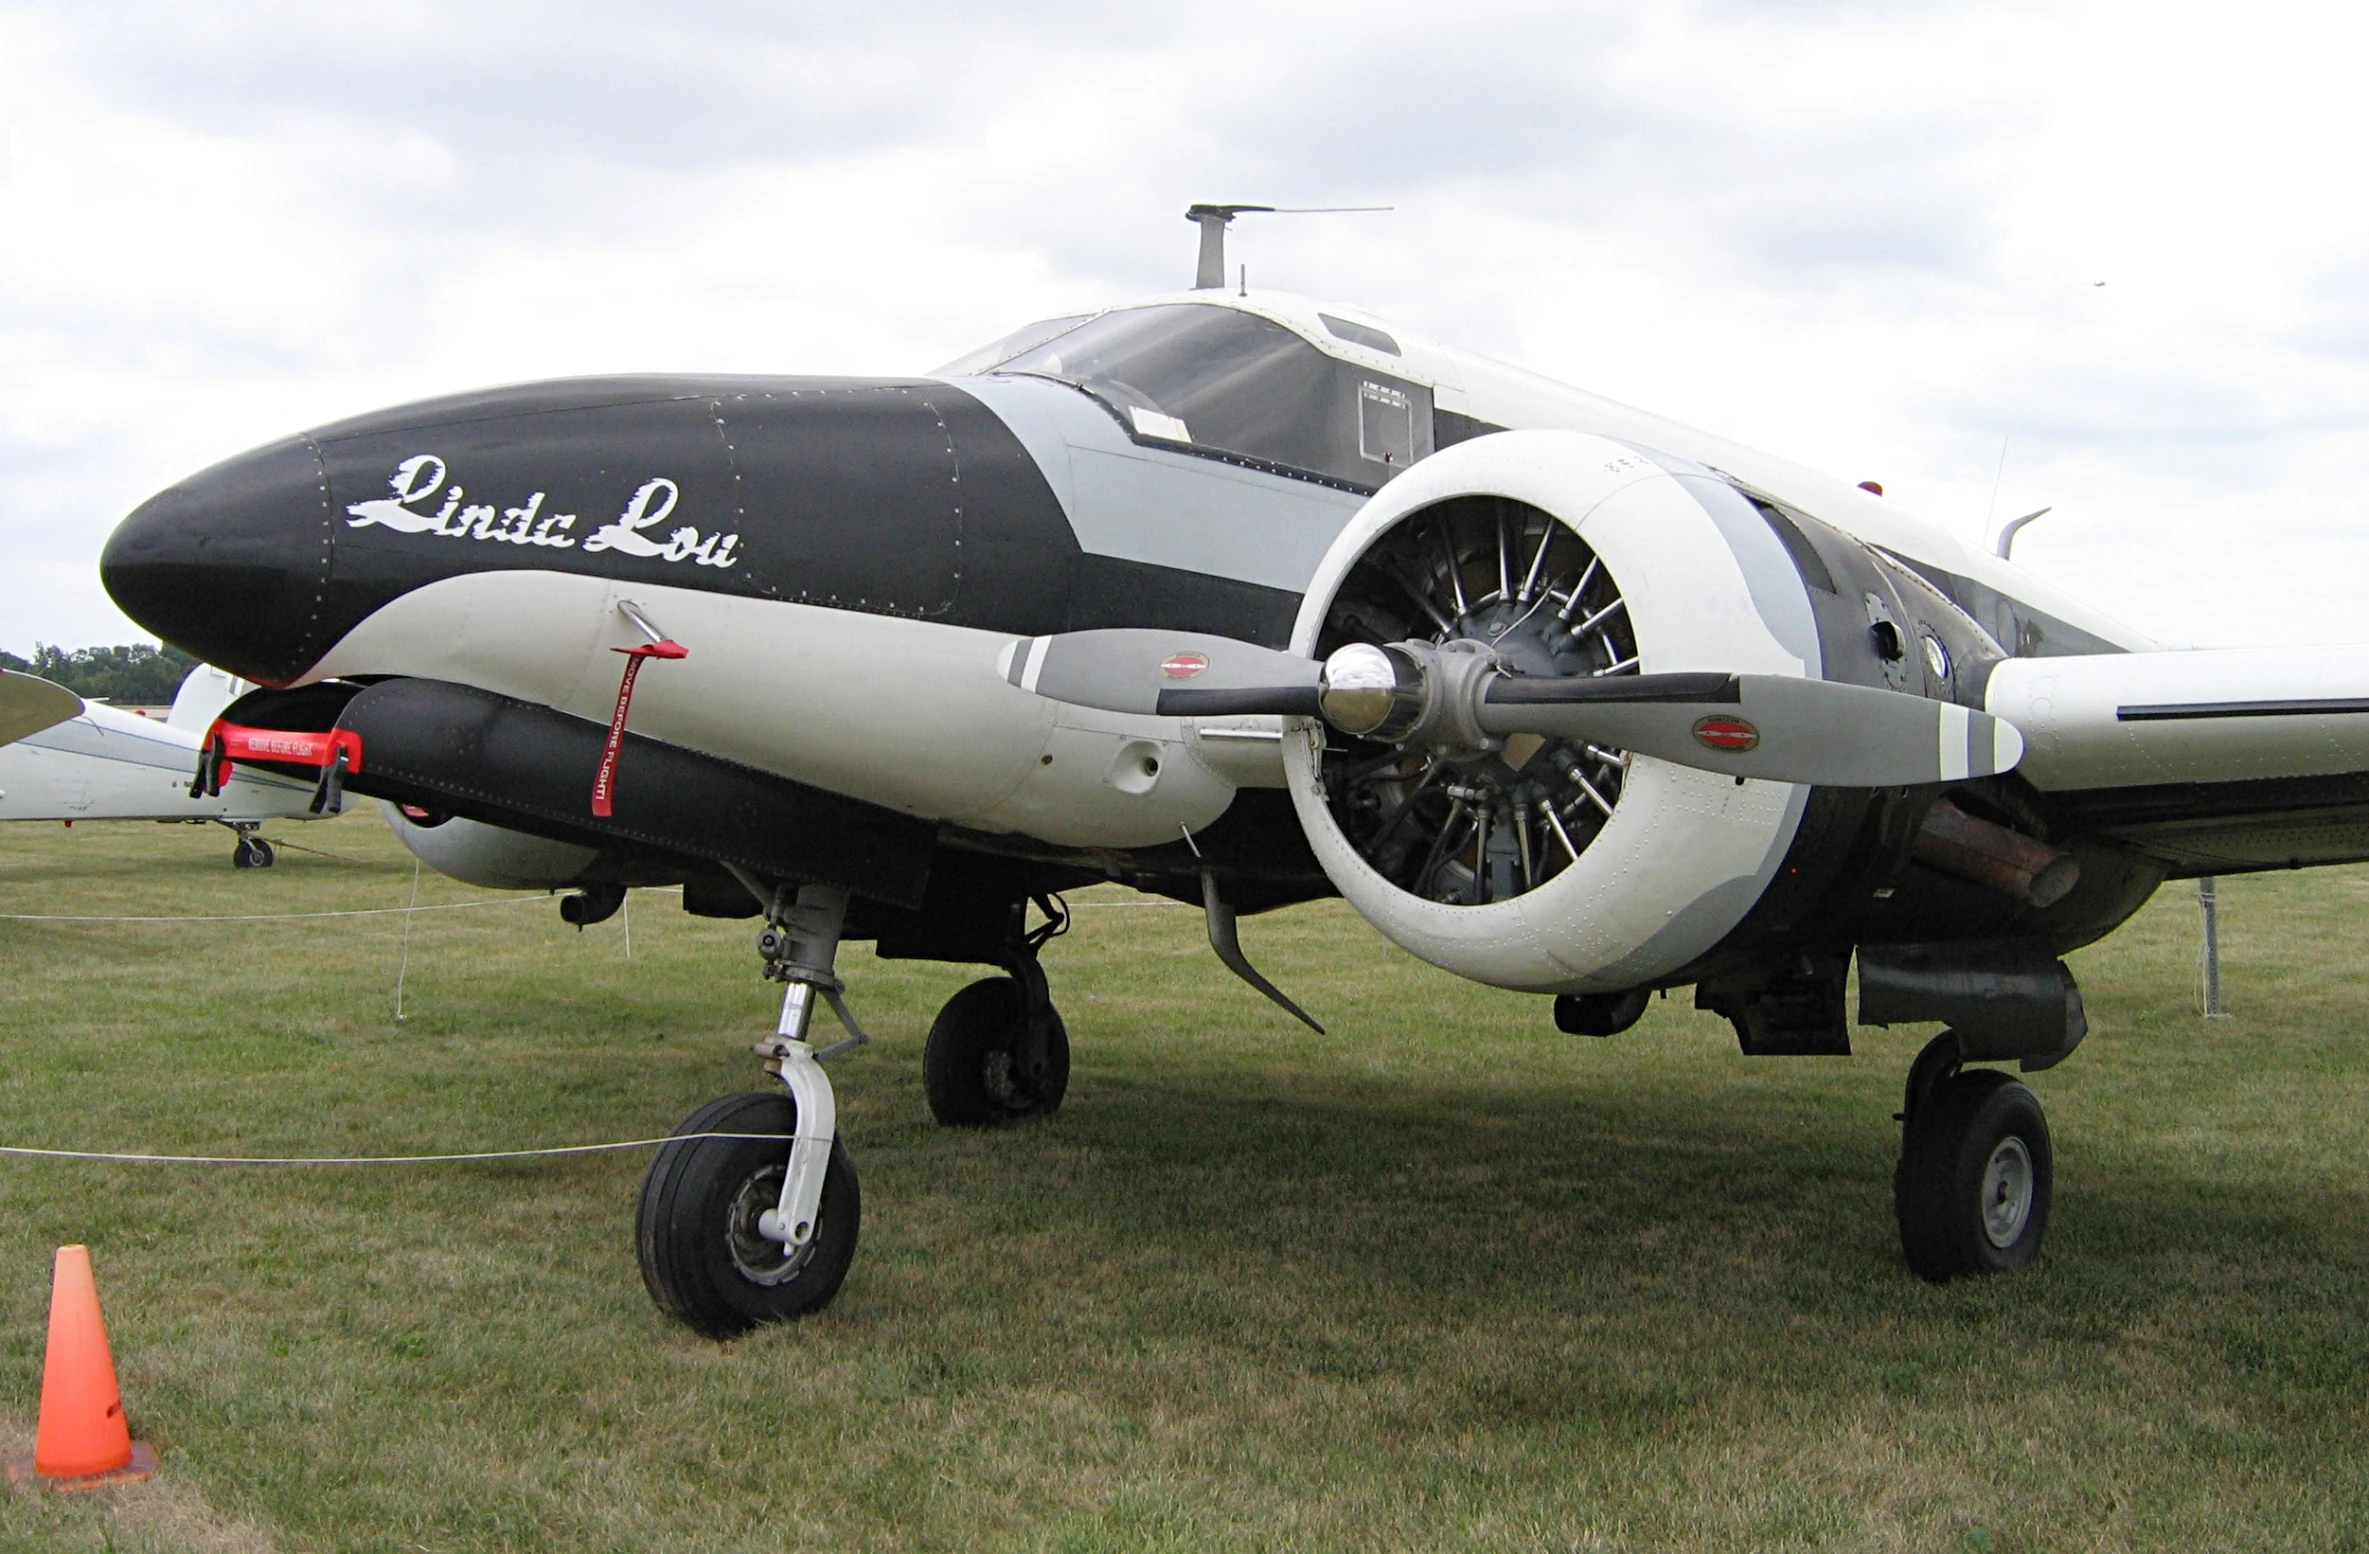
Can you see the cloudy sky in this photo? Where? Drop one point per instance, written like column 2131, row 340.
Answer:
column 1866, row 236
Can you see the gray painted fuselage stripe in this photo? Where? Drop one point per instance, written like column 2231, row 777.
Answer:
column 1770, row 571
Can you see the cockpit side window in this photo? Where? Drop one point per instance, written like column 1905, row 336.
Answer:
column 988, row 357
column 1226, row 383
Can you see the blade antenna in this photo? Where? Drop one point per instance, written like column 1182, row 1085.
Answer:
column 2014, row 527
column 1228, row 943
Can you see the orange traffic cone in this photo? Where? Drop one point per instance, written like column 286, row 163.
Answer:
column 83, row 1441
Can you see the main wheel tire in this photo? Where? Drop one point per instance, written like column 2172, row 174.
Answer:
column 1973, row 1187
column 253, row 852
column 701, row 1254
column 974, row 1071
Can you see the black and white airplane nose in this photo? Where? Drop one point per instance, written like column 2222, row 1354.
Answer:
column 231, row 563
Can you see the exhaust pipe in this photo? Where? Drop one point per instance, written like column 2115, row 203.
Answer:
column 2006, row 861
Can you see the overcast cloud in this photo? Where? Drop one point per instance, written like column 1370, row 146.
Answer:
column 1863, row 236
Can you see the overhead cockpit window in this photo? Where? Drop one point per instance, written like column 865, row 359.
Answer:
column 1358, row 334
column 988, row 357
column 1224, row 382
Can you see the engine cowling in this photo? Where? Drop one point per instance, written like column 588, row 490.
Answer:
column 1553, row 865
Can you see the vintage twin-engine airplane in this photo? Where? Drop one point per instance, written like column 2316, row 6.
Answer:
column 62, row 758
column 1243, row 600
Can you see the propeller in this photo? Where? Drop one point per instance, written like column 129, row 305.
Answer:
column 1455, row 696
column 29, row 704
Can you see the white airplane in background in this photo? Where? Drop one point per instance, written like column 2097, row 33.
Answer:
column 62, row 758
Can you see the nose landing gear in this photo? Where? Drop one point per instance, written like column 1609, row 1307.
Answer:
column 1973, row 1186
column 753, row 1216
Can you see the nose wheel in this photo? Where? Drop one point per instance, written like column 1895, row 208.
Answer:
column 1976, row 1173
column 705, row 1258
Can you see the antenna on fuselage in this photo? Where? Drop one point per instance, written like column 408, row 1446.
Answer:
column 2014, row 527
column 1210, row 274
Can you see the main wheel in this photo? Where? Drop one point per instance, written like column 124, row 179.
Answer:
column 702, row 1257
column 253, row 852
column 977, row 1069
column 1976, row 1170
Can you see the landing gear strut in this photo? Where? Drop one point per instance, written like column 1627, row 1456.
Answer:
column 1976, row 1168
column 738, row 1231
column 998, row 1051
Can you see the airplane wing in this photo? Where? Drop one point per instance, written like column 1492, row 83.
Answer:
column 2220, row 762
column 29, row 704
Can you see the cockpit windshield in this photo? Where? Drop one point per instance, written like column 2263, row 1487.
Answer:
column 1227, row 383
column 994, row 354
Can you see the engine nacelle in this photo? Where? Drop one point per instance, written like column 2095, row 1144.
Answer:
column 489, row 856
column 1552, row 865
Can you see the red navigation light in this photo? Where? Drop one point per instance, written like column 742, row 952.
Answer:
column 1183, row 666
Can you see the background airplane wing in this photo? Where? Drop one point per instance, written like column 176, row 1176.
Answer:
column 29, row 704
column 2215, row 762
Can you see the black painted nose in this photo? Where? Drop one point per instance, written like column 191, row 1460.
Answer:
column 231, row 564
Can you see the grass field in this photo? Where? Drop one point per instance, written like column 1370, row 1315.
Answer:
column 1442, row 1279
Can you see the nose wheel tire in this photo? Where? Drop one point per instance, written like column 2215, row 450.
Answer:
column 984, row 1067
column 1973, row 1185
column 702, row 1256
column 253, row 852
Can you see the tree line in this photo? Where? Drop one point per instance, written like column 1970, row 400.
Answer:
column 136, row 675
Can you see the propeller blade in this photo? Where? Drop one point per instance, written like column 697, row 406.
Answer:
column 1175, row 674
column 29, row 704
column 1767, row 726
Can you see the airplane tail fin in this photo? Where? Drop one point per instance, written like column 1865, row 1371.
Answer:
column 202, row 697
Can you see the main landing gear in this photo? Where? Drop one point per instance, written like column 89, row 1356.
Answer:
column 750, row 1215
column 1976, row 1169
column 998, row 1051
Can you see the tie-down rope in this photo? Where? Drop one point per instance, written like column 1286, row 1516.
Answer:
column 269, row 917
column 125, row 1158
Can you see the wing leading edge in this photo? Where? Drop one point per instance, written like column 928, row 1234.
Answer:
column 2218, row 762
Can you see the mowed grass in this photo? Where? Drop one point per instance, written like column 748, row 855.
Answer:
column 1441, row 1279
